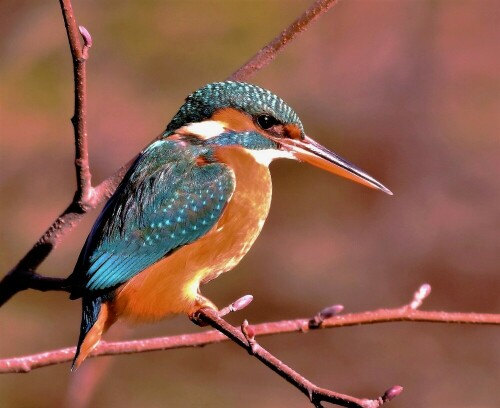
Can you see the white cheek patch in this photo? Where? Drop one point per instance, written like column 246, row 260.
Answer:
column 206, row 129
column 265, row 157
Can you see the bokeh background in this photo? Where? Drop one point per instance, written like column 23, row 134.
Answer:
column 409, row 90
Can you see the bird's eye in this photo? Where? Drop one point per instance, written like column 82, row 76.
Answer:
column 266, row 121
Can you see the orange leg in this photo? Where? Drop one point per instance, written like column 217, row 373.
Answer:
column 200, row 303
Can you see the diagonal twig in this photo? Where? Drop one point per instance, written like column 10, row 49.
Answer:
column 266, row 54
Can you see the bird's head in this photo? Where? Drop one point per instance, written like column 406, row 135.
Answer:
column 238, row 113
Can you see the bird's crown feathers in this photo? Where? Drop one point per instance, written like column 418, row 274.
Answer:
column 251, row 99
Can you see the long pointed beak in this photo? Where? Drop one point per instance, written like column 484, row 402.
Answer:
column 312, row 152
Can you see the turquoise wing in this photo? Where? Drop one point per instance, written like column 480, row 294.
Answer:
column 165, row 201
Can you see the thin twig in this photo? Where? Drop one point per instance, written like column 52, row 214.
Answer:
column 404, row 313
column 79, row 55
column 265, row 55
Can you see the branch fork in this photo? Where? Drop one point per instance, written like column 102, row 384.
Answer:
column 245, row 338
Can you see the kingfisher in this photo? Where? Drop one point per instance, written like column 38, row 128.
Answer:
column 190, row 207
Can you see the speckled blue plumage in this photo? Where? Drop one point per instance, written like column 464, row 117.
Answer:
column 166, row 201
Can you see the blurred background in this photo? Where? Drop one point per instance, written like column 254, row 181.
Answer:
column 408, row 90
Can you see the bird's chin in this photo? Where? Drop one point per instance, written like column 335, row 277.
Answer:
column 266, row 156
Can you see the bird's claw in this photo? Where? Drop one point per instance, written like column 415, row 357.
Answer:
column 202, row 302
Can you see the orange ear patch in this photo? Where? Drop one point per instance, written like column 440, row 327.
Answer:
column 235, row 120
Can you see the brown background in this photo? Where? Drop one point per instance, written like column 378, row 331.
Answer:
column 408, row 90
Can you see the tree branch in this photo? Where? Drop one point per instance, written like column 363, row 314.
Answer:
column 266, row 54
column 245, row 338
column 23, row 275
column 326, row 319
column 79, row 55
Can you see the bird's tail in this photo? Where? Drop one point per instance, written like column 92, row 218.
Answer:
column 96, row 319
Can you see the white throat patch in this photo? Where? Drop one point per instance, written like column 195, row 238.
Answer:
column 265, row 157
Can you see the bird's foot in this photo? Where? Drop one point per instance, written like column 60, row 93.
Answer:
column 203, row 302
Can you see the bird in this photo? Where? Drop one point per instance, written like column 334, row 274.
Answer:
column 190, row 207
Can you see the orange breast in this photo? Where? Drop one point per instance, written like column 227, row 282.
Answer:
column 170, row 285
